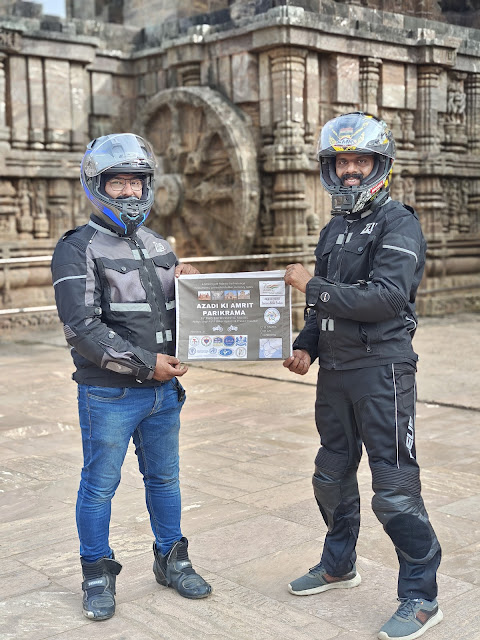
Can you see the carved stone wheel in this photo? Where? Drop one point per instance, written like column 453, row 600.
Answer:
column 207, row 188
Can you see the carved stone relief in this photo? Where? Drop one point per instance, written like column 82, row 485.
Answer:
column 456, row 216
column 454, row 118
column 403, row 189
column 8, row 209
column 40, row 220
column 25, row 219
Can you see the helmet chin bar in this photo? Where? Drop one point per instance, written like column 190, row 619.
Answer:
column 132, row 217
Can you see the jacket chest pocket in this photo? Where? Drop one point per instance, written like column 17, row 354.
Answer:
column 325, row 256
column 123, row 281
column 358, row 259
column 165, row 270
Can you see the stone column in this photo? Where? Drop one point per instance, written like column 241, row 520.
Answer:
column 427, row 114
column 19, row 101
column 369, row 83
column 286, row 157
column 474, row 206
column 430, row 203
column 472, row 90
column 36, row 88
column 59, row 111
column 80, row 106
column 287, row 162
column 59, row 206
column 4, row 129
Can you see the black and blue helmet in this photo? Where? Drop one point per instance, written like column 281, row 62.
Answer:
column 110, row 155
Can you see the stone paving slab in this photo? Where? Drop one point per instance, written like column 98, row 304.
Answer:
column 247, row 446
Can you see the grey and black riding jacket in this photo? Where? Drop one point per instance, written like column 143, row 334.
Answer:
column 116, row 298
column 361, row 301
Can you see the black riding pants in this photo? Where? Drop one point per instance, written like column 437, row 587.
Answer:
column 374, row 406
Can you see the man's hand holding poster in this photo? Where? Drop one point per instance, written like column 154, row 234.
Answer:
column 233, row 316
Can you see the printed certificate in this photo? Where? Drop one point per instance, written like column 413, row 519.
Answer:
column 233, row 316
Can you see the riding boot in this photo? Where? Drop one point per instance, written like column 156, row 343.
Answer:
column 99, row 587
column 174, row 569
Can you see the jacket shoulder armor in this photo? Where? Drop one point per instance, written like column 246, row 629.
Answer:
column 395, row 205
column 80, row 236
column 68, row 233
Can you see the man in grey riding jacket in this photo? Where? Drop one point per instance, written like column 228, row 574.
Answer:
column 114, row 288
column 360, row 321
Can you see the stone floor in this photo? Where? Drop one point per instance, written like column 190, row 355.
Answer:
column 247, row 445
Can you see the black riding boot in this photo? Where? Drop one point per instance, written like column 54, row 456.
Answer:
column 175, row 570
column 99, row 587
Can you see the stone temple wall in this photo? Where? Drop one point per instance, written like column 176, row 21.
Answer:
column 233, row 100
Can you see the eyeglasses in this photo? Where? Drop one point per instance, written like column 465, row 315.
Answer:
column 119, row 184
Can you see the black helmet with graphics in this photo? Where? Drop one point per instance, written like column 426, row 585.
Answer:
column 356, row 132
column 110, row 155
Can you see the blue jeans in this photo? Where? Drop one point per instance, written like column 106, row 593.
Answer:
column 109, row 417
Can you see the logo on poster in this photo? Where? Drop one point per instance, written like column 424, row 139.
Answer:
column 271, row 316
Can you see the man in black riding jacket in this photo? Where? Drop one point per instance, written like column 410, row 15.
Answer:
column 114, row 288
column 360, row 320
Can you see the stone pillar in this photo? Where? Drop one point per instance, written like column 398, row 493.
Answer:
column 430, row 203
column 4, row 129
column 59, row 120
column 18, row 101
column 285, row 219
column 286, row 157
column 36, row 85
column 472, row 90
column 474, row 206
column 60, row 206
column 427, row 114
column 80, row 106
column 369, row 83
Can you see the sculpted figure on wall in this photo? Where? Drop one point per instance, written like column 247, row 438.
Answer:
column 454, row 118
column 456, row 216
column 41, row 222
column 25, row 219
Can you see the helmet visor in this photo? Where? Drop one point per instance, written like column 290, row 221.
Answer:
column 128, row 152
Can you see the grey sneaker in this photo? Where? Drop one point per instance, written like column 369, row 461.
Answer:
column 318, row 580
column 412, row 618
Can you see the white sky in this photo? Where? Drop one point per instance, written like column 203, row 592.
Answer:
column 53, row 7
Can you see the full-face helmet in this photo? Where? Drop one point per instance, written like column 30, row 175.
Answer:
column 110, row 155
column 356, row 133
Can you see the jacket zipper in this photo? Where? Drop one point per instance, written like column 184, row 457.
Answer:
column 157, row 306
column 366, row 341
column 335, row 278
